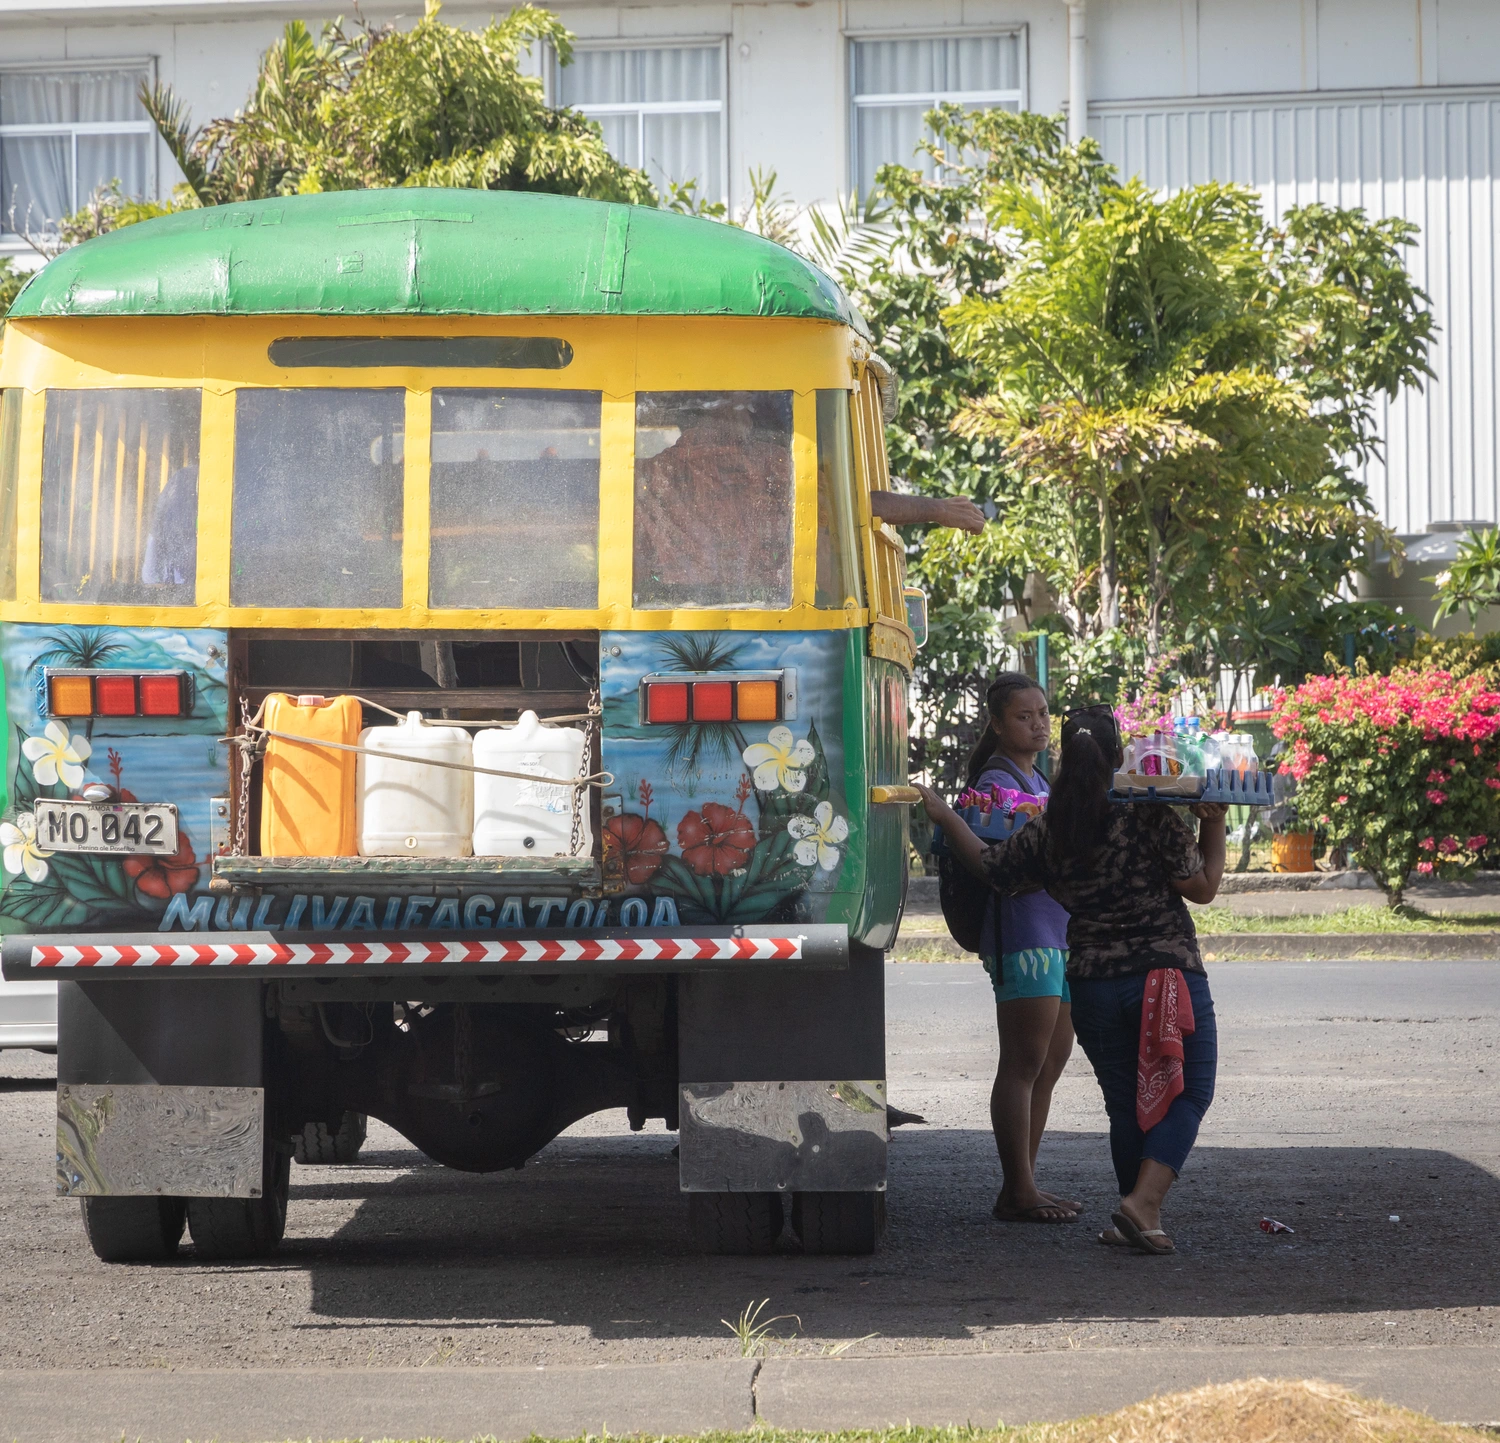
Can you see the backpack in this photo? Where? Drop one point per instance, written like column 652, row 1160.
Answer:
column 964, row 897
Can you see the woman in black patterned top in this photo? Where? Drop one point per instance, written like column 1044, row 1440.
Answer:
column 1125, row 875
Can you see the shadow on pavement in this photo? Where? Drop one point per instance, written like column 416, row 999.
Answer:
column 565, row 1240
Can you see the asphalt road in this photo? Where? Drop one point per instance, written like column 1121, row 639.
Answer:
column 1348, row 1093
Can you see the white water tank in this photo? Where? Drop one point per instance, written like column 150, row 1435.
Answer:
column 407, row 809
column 515, row 818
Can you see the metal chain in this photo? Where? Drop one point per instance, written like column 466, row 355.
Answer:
column 242, row 807
column 579, row 792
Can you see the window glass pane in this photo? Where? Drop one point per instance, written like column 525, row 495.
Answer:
column 838, row 546
column 927, row 70
column 125, row 158
column 713, row 499
column 318, row 478
column 29, row 97
column 684, row 147
column 10, row 480
column 36, row 177
column 618, row 77
column 120, row 497
column 515, row 499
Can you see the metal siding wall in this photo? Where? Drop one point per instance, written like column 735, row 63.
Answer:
column 1430, row 157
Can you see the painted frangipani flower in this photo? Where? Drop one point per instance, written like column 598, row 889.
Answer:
column 55, row 755
column 779, row 761
column 18, row 838
column 818, row 837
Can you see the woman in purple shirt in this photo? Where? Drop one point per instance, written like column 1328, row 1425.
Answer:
column 1024, row 947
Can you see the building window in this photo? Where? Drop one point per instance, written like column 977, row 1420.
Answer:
column 897, row 81
column 661, row 110
column 63, row 133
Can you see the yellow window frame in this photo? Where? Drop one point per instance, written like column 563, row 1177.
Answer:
column 885, row 554
column 617, row 357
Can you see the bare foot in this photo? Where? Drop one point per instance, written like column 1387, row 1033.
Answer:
column 1062, row 1202
column 1042, row 1210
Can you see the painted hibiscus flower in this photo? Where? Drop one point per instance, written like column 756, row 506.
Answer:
column 160, row 877
column 642, row 843
column 716, row 840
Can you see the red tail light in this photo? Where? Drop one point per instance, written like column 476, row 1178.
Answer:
column 114, row 695
column 713, row 701
column 667, row 701
column 118, row 693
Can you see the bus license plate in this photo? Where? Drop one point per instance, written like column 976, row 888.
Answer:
column 126, row 827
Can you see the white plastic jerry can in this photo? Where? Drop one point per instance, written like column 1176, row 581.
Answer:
column 407, row 809
column 515, row 818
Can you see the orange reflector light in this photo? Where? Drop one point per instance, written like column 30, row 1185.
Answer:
column 114, row 695
column 161, row 696
column 71, row 696
column 758, row 700
column 713, row 701
column 667, row 701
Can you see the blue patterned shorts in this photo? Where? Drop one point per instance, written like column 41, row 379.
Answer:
column 1037, row 972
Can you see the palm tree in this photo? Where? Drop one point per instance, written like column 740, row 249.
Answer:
column 690, row 744
column 81, row 647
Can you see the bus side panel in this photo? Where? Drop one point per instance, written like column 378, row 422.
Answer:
column 733, row 821
column 886, row 849
column 141, row 759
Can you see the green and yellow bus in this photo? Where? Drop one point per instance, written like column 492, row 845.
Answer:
column 284, row 467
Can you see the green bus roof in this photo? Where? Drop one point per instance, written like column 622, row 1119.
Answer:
column 412, row 252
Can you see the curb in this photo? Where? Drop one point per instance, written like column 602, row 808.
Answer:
column 924, row 890
column 686, row 1397
column 1277, row 946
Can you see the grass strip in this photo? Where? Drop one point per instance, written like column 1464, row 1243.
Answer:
column 1361, row 919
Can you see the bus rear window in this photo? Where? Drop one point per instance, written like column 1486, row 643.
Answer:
column 120, row 497
column 515, row 499
column 713, row 499
column 10, row 479
column 318, row 478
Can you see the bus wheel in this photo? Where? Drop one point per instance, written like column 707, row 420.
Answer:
column 133, row 1229
column 317, row 1145
column 735, row 1222
column 243, row 1227
column 838, row 1222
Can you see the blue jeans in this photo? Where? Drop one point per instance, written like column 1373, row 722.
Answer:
column 1107, row 1021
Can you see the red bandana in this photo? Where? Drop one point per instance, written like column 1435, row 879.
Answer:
column 1166, row 1015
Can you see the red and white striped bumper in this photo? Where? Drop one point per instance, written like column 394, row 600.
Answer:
column 814, row 946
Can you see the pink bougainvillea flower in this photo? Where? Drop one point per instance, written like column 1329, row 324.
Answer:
column 1343, row 801
column 1448, row 846
column 1478, row 843
column 1437, row 798
column 1424, row 867
column 1493, row 783
column 1427, row 844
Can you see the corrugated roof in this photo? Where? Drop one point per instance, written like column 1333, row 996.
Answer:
column 432, row 252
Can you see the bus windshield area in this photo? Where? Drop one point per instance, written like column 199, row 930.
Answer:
column 713, row 499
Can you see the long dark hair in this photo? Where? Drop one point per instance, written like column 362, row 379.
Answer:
column 996, row 699
column 1078, row 807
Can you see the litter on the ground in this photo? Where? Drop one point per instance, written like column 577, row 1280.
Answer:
column 1395, row 1217
column 1270, row 1225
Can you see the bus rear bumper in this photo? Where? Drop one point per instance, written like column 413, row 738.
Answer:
column 97, row 957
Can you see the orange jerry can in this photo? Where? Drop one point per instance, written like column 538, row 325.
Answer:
column 1292, row 852
column 307, row 791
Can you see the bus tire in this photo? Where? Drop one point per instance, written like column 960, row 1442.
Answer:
column 317, row 1145
column 735, row 1223
column 134, row 1229
column 848, row 1223
column 243, row 1227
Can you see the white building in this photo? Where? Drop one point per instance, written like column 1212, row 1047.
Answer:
column 1393, row 105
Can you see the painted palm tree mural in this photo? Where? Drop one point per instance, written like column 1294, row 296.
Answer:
column 173, row 760
column 774, row 830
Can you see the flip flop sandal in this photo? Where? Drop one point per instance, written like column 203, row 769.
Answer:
column 1111, row 1238
column 1038, row 1214
column 1143, row 1240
